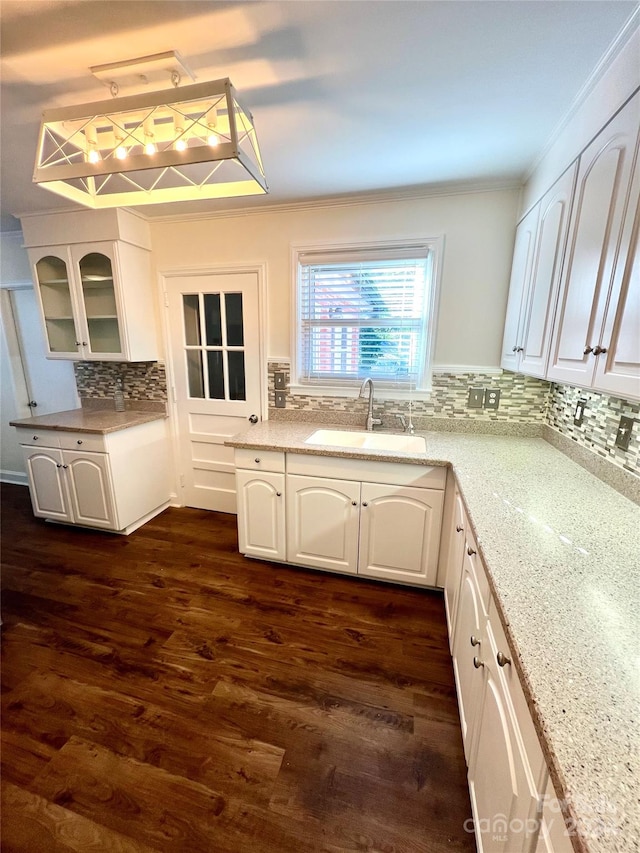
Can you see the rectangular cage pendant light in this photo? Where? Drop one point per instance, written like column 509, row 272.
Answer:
column 184, row 144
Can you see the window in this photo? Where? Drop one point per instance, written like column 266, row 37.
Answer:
column 365, row 312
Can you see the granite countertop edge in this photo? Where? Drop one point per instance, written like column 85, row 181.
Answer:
column 97, row 421
column 290, row 437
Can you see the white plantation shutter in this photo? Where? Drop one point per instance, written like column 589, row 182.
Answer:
column 363, row 313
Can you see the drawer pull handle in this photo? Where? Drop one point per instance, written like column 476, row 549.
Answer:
column 35, row 437
column 474, row 641
column 79, row 441
column 502, row 659
column 471, row 552
column 459, row 529
column 257, row 461
column 477, row 663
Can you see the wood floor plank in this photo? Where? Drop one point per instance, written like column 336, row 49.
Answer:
column 163, row 693
column 33, row 824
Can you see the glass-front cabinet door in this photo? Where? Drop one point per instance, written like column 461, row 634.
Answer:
column 58, row 310
column 98, row 299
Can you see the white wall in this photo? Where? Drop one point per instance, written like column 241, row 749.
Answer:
column 478, row 228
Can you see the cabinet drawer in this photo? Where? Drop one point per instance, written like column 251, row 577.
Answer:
column 260, row 460
column 82, row 441
column 42, row 437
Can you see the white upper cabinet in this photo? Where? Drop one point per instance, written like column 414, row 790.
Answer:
column 95, row 301
column 597, row 254
column 539, row 303
column 520, row 278
column 92, row 276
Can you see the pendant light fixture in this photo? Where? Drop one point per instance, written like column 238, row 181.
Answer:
column 185, row 143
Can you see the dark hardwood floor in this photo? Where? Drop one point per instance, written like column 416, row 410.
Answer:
column 162, row 693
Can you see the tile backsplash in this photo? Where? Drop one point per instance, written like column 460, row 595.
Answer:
column 141, row 380
column 599, row 426
column 523, row 399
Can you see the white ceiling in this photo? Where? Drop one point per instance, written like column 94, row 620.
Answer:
column 347, row 96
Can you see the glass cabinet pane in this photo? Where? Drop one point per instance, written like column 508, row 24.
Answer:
column 98, row 293
column 53, row 282
column 212, row 319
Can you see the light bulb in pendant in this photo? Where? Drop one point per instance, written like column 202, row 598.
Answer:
column 121, row 152
column 93, row 153
column 94, row 156
column 149, row 145
column 181, row 144
column 213, row 139
column 150, row 148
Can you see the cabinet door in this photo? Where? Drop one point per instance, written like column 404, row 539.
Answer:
column 454, row 564
column 46, row 483
column 322, row 523
column 602, row 188
column 90, row 489
column 400, row 533
column 540, row 302
column 467, row 645
column 518, row 287
column 261, row 514
column 504, row 800
column 56, row 299
column 618, row 368
column 95, row 266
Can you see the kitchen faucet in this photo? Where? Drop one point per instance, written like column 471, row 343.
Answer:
column 371, row 421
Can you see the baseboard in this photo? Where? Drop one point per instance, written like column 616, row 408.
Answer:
column 17, row 478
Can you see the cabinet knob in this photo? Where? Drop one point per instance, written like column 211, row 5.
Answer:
column 502, row 659
column 35, row 437
column 364, row 503
column 65, row 466
column 514, row 349
column 257, row 460
column 474, row 640
column 471, row 552
column 477, row 663
column 278, row 494
column 520, row 349
column 459, row 529
column 79, row 441
column 354, row 503
column 599, row 350
column 587, row 350
column 58, row 465
column 77, row 343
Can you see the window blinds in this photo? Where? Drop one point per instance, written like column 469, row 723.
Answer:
column 363, row 314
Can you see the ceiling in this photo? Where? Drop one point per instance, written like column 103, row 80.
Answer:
column 347, row 96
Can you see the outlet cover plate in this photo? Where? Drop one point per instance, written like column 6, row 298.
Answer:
column 281, row 400
column 279, row 380
column 578, row 415
column 623, row 435
column 491, row 398
column 476, row 398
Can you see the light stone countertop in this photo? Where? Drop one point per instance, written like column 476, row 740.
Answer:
column 561, row 549
column 101, row 421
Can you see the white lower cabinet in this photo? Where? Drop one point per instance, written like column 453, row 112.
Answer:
column 454, row 563
column 117, row 483
column 338, row 518
column 261, row 514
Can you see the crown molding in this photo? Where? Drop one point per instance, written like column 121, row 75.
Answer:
column 600, row 70
column 349, row 199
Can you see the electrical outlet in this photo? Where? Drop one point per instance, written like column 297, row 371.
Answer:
column 491, row 399
column 279, row 381
column 476, row 398
column 281, row 400
column 578, row 415
column 623, row 435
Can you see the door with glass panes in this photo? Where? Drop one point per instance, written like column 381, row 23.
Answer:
column 216, row 369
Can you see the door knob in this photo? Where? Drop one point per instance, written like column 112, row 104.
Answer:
column 32, row 404
column 253, row 419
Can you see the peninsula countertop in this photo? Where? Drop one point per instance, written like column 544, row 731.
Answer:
column 562, row 556
column 97, row 421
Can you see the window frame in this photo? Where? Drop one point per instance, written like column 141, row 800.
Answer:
column 346, row 387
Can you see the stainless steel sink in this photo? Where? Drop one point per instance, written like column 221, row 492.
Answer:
column 368, row 440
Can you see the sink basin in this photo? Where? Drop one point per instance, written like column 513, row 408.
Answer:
column 368, row 440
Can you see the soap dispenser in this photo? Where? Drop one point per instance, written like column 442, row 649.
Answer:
column 118, row 395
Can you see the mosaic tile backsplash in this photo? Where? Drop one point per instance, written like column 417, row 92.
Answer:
column 97, row 380
column 523, row 399
column 599, row 426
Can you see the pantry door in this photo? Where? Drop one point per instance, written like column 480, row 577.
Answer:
column 216, row 369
